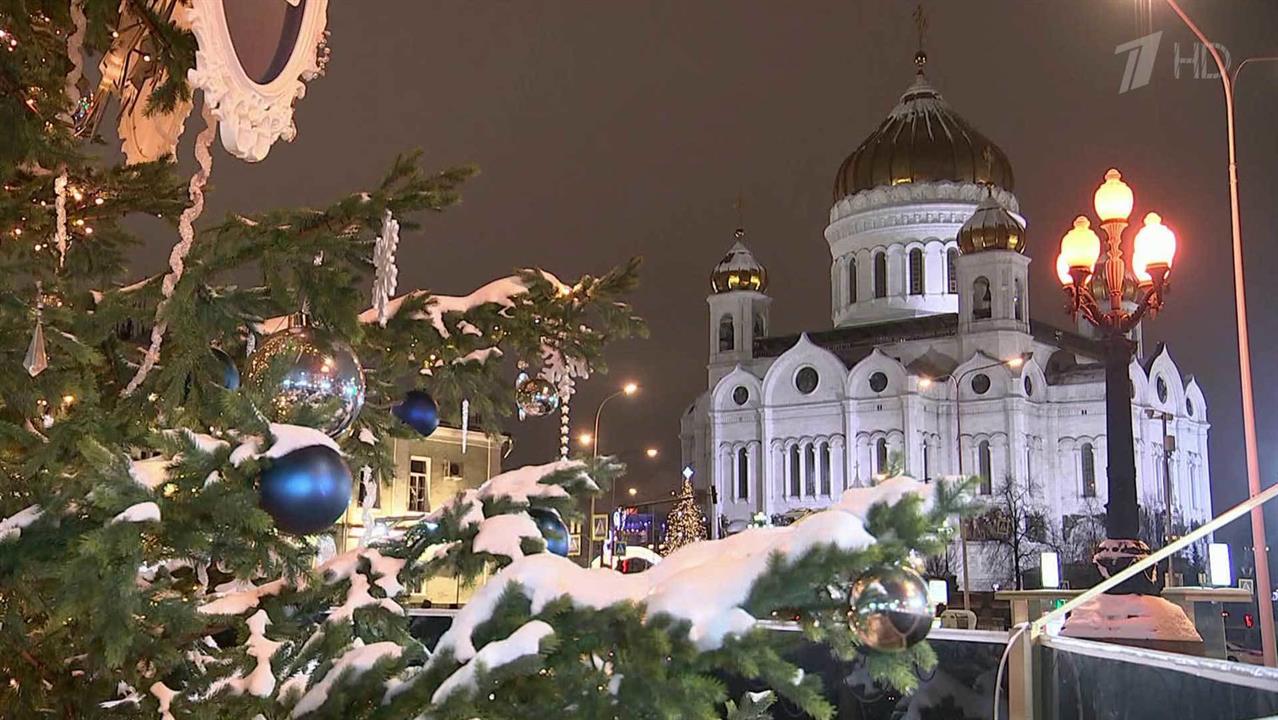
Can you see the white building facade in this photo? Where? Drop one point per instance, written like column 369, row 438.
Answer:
column 933, row 359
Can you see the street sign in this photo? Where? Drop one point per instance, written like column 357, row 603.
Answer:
column 599, row 527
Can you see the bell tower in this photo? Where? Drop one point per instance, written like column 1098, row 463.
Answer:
column 992, row 273
column 738, row 309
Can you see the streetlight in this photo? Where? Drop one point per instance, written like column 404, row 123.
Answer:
column 652, row 452
column 633, row 492
column 585, row 439
column 1153, row 251
column 628, row 390
column 1227, row 81
column 925, row 383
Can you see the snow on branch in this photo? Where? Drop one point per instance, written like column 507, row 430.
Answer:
column 11, row 527
column 719, row 574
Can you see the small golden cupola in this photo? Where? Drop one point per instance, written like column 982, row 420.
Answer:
column 991, row 227
column 738, row 270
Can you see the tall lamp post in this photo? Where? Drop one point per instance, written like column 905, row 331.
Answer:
column 1227, row 81
column 628, row 389
column 1015, row 362
column 1154, row 249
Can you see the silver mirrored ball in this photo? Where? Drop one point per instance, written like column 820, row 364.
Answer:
column 535, row 396
column 321, row 379
column 889, row 609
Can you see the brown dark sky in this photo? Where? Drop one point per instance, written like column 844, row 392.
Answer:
column 611, row 129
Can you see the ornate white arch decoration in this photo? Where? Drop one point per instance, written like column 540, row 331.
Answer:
column 1163, row 366
column 778, row 383
column 858, row 379
column 721, row 396
column 253, row 114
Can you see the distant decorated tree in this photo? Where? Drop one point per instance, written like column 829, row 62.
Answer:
column 686, row 524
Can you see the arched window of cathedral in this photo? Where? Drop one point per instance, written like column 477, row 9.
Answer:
column 759, row 329
column 916, row 272
column 851, row 280
column 880, row 456
column 809, row 470
column 743, row 474
column 880, row 274
column 727, row 334
column 982, row 302
column 927, row 461
column 984, row 461
column 825, row 469
column 1089, row 470
column 1017, row 303
column 795, row 471
column 951, row 273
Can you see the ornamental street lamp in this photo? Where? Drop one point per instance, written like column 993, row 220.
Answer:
column 592, row 439
column 1153, row 251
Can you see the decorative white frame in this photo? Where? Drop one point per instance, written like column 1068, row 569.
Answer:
column 253, row 115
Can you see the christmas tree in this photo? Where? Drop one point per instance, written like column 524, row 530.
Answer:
column 686, row 523
column 154, row 561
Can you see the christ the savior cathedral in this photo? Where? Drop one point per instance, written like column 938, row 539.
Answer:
column 933, row 360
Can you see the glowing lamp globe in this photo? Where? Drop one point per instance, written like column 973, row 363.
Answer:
column 1080, row 247
column 1154, row 247
column 1113, row 199
column 1062, row 271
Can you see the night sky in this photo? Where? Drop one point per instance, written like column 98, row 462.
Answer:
column 609, row 130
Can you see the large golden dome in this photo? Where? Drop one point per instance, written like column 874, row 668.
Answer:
column 923, row 140
column 738, row 270
column 991, row 227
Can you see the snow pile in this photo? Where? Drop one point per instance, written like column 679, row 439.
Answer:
column 239, row 599
column 141, row 512
column 287, row 439
column 260, row 682
column 526, row 482
column 354, row 662
column 164, row 697
column 523, row 642
column 500, row 292
column 705, row 583
column 151, row 472
column 357, row 597
column 889, row 492
column 503, row 535
column 1130, row 617
column 11, row 527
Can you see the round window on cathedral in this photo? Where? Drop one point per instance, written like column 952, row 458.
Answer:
column 740, row 395
column 1161, row 386
column 981, row 384
column 1189, row 406
column 878, row 382
column 806, row 380
column 1029, row 387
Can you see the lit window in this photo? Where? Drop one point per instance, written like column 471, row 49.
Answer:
column 418, row 485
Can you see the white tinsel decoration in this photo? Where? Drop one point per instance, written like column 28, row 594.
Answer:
column 369, row 485
column 386, row 273
column 465, row 413
column 60, row 205
column 186, row 229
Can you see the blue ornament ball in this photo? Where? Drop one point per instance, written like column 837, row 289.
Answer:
column 418, row 411
column 230, row 373
column 306, row 490
column 553, row 530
